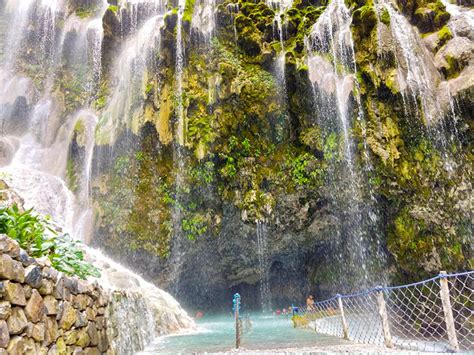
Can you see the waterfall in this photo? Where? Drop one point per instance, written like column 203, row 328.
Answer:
column 95, row 34
column 127, row 98
column 263, row 267
column 233, row 10
column 332, row 68
column 280, row 7
column 181, row 128
column 420, row 82
column 50, row 143
column 133, row 13
column 204, row 19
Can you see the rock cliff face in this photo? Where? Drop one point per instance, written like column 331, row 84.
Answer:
column 256, row 148
column 309, row 146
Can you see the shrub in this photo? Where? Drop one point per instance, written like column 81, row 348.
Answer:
column 36, row 235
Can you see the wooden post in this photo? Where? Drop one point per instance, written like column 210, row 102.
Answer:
column 382, row 308
column 448, row 312
column 345, row 329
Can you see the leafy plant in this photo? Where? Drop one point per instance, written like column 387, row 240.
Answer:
column 195, row 226
column 36, row 235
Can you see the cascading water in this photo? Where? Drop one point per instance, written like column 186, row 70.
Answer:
column 179, row 67
column 44, row 143
column 133, row 13
column 126, row 101
column 263, row 267
column 464, row 14
column 331, row 63
column 204, row 19
column 234, row 10
column 280, row 7
column 419, row 81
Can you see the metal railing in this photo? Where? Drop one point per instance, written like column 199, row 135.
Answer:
column 434, row 315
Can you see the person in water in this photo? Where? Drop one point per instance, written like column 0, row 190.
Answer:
column 199, row 314
column 310, row 303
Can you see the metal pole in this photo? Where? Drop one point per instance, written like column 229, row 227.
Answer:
column 448, row 312
column 237, row 335
column 384, row 318
column 345, row 328
column 236, row 306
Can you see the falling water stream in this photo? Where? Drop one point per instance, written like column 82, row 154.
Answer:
column 280, row 7
column 263, row 267
column 420, row 83
column 39, row 135
column 39, row 142
column 332, row 71
column 182, row 126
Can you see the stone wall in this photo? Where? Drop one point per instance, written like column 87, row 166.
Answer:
column 43, row 311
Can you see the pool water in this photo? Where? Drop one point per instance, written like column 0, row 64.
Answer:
column 217, row 333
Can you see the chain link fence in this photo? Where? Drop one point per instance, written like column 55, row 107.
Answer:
column 435, row 315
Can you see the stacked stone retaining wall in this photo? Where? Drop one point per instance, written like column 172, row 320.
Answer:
column 42, row 311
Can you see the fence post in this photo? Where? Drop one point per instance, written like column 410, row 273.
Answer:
column 345, row 329
column 384, row 318
column 236, row 307
column 448, row 312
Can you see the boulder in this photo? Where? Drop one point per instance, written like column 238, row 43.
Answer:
column 41, row 350
column 51, row 304
column 27, row 289
column 93, row 333
column 51, row 330
column 17, row 321
column 67, row 315
column 53, row 350
column 34, row 309
column 91, row 351
column 11, row 269
column 43, row 261
column 9, row 246
column 60, row 290
column 103, row 343
column 61, row 346
column 76, row 350
column 33, row 276
column 5, row 310
column 4, row 334
column 100, row 322
column 14, row 293
column 71, row 284
column 454, row 56
column 46, row 287
column 70, row 337
column 462, row 90
column 462, row 27
column 51, row 273
column 83, row 339
column 36, row 331
column 16, row 345
column 91, row 313
column 81, row 301
column 25, row 259
column 81, row 320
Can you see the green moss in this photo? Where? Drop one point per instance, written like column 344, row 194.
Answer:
column 385, row 17
column 113, row 8
column 85, row 12
column 312, row 137
column 444, row 35
column 188, row 11
column 71, row 175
